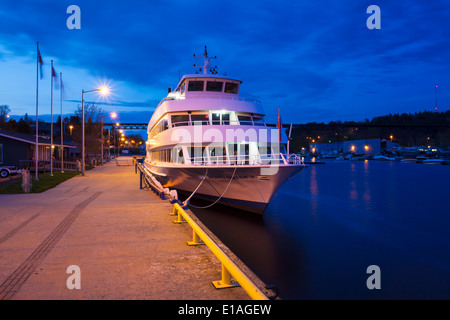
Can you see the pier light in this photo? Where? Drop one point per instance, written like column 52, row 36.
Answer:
column 71, row 128
column 117, row 124
column 104, row 91
column 353, row 148
column 366, row 147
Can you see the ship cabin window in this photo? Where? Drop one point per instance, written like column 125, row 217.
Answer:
column 214, row 86
column 180, row 120
column 164, row 155
column 217, row 154
column 199, row 119
column 231, row 87
column 220, row 118
column 177, row 155
column 245, row 120
column 197, row 155
column 196, row 85
column 160, row 127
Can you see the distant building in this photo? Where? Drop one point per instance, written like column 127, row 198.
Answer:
column 16, row 146
column 324, row 148
column 367, row 146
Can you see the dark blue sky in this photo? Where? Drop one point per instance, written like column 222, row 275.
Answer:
column 317, row 60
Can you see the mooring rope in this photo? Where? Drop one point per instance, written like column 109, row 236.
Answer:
column 223, row 193
column 186, row 202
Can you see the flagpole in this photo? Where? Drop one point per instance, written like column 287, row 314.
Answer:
column 36, row 151
column 51, row 126
column 62, row 144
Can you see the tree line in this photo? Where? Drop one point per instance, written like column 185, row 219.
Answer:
column 406, row 129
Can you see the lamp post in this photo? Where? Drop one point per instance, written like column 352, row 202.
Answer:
column 83, row 137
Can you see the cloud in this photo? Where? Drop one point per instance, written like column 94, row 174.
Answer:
column 320, row 56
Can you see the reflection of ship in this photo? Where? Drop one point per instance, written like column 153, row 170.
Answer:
column 205, row 138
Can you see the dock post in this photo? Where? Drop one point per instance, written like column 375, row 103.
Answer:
column 140, row 179
column 195, row 239
column 226, row 280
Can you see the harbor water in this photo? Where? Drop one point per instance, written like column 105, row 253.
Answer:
column 325, row 227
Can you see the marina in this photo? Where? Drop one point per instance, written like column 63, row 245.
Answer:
column 308, row 160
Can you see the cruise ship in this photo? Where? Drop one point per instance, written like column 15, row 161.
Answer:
column 206, row 141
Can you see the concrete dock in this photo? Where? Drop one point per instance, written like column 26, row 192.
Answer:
column 122, row 239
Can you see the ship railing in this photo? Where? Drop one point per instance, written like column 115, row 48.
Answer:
column 218, row 122
column 248, row 160
column 210, row 96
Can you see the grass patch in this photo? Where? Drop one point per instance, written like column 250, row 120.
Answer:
column 44, row 183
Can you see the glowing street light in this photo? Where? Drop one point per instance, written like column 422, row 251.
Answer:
column 103, row 91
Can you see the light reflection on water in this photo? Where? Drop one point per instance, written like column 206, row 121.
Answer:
column 327, row 225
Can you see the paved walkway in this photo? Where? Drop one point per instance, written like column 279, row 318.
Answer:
column 122, row 238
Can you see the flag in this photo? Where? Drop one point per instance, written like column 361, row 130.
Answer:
column 54, row 75
column 62, row 84
column 41, row 62
column 279, row 126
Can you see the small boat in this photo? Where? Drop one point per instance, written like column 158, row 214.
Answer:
column 383, row 158
column 411, row 160
column 433, row 161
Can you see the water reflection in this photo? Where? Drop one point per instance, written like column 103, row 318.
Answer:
column 370, row 213
column 314, row 190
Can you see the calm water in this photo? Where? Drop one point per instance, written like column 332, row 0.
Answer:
column 324, row 227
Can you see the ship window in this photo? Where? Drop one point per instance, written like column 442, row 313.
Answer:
column 197, row 155
column 195, row 86
column 258, row 121
column 219, row 118
column 197, row 119
column 177, row 155
column 215, row 118
column 245, row 120
column 231, row 87
column 225, row 118
column 160, row 127
column 180, row 120
column 215, row 86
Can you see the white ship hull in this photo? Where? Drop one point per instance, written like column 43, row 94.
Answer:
column 248, row 189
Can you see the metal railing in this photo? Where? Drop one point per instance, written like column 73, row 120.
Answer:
column 211, row 96
column 44, row 165
column 230, row 270
column 248, row 160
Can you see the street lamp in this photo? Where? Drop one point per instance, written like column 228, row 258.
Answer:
column 103, row 91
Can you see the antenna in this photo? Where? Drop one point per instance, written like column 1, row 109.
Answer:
column 206, row 63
